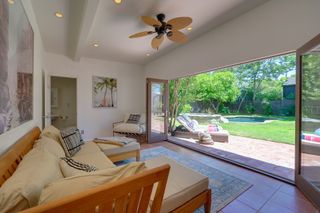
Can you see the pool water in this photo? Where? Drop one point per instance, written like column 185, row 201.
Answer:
column 248, row 119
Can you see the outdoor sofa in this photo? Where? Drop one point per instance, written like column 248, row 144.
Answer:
column 33, row 179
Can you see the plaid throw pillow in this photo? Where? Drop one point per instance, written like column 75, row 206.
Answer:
column 71, row 141
column 80, row 166
column 134, row 118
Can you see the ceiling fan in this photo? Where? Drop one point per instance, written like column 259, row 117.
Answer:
column 161, row 28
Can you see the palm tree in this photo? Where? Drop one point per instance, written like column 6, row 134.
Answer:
column 112, row 85
column 103, row 84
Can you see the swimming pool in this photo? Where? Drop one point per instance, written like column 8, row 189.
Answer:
column 248, row 119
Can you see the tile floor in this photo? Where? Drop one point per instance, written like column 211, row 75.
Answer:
column 267, row 195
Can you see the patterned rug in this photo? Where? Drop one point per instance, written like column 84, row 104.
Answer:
column 225, row 188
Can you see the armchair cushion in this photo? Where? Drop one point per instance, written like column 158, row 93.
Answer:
column 130, row 128
column 142, row 117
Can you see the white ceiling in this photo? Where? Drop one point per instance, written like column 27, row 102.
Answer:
column 109, row 24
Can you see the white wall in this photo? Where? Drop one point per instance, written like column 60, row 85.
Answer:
column 10, row 137
column 277, row 26
column 98, row 121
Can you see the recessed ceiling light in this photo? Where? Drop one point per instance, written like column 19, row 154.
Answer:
column 11, row 1
column 58, row 14
column 117, row 1
column 95, row 44
column 148, row 54
column 189, row 28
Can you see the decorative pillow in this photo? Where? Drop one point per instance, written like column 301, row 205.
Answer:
column 134, row 118
column 22, row 190
column 50, row 145
column 51, row 132
column 71, row 185
column 71, row 141
column 77, row 165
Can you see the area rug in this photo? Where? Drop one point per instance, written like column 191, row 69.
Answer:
column 225, row 188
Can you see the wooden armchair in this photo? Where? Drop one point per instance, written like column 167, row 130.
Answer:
column 136, row 131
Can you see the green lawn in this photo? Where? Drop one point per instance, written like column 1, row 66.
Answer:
column 282, row 131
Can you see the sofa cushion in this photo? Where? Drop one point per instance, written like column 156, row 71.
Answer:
column 71, row 141
column 22, row 190
column 183, row 183
column 49, row 145
column 75, row 184
column 97, row 159
column 142, row 119
column 70, row 167
column 88, row 147
column 134, row 119
column 130, row 128
column 51, row 132
column 110, row 149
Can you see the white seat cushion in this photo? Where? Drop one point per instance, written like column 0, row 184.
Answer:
column 183, row 183
column 110, row 149
column 130, row 128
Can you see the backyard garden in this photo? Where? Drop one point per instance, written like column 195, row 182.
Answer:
column 262, row 89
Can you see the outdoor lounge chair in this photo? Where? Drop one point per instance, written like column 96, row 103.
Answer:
column 193, row 129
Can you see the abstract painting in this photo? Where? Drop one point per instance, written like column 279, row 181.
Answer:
column 104, row 92
column 16, row 66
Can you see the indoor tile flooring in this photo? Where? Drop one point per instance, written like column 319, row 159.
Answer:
column 266, row 194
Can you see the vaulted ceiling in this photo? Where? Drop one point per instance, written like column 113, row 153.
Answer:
column 108, row 24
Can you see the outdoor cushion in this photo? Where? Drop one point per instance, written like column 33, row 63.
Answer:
column 22, row 190
column 97, row 159
column 70, row 167
column 110, row 149
column 51, row 132
column 130, row 128
column 88, row 147
column 49, row 145
column 142, row 117
column 79, row 183
column 183, row 183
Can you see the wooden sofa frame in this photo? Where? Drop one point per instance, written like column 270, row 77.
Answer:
column 131, row 194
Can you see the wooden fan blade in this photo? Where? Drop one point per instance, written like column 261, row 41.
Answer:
column 150, row 21
column 144, row 33
column 178, row 36
column 180, row 22
column 156, row 42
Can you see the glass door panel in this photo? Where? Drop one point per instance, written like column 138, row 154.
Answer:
column 308, row 112
column 157, row 110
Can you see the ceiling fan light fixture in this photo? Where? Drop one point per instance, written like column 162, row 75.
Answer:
column 189, row 28
column 148, row 54
column 11, row 1
column 95, row 45
column 117, row 1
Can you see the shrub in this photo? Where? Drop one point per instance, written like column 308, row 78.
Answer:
column 224, row 110
column 250, row 108
column 186, row 108
column 266, row 107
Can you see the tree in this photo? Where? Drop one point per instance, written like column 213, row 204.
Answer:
column 216, row 88
column 179, row 96
column 253, row 74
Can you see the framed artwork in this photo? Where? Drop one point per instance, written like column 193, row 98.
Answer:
column 16, row 66
column 104, row 92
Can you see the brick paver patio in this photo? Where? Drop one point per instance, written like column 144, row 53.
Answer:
column 272, row 157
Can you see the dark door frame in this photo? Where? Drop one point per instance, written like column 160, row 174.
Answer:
column 149, row 82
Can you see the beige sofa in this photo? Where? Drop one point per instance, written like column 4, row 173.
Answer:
column 182, row 186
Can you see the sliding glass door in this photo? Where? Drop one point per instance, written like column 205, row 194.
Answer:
column 157, row 108
column 308, row 125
